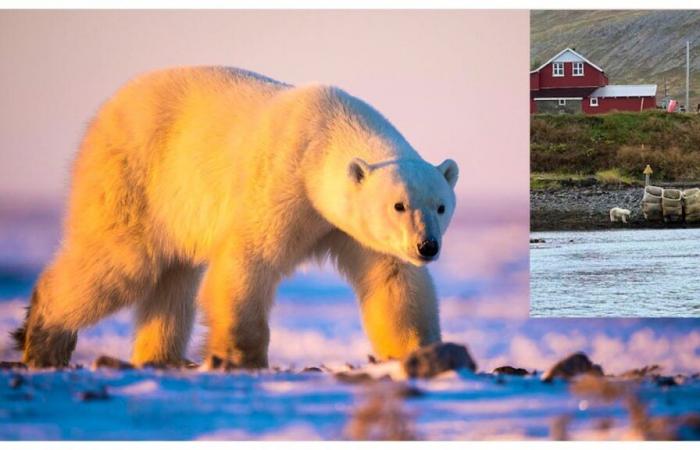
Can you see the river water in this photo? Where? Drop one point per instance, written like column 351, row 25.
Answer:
column 617, row 273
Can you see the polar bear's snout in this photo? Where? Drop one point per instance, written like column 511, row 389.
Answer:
column 428, row 249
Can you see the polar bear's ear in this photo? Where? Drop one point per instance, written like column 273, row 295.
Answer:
column 359, row 169
column 450, row 171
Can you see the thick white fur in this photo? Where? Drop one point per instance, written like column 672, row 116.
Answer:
column 227, row 174
column 619, row 215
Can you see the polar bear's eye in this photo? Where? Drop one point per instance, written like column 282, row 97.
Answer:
column 441, row 209
column 399, row 207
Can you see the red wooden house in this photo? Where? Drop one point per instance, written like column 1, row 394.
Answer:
column 570, row 83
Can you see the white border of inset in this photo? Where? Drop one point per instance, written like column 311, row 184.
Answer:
column 347, row 4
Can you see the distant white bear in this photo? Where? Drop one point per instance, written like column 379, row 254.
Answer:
column 228, row 176
column 619, row 215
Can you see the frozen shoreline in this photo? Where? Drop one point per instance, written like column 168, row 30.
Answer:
column 176, row 405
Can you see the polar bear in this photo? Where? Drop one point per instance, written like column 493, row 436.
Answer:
column 619, row 215
column 224, row 178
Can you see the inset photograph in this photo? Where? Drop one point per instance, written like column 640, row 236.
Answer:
column 615, row 163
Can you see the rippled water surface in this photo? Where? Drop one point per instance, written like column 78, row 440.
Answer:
column 618, row 273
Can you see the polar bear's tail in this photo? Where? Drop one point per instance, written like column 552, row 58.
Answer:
column 20, row 334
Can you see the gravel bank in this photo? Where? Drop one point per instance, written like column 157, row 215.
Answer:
column 587, row 208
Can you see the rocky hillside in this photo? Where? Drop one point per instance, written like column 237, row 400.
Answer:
column 631, row 46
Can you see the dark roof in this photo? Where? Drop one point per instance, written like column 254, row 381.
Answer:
column 562, row 92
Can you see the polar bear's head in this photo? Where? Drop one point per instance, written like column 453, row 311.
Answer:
column 402, row 207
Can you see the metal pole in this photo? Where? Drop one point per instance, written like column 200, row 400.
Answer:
column 647, row 175
column 687, row 76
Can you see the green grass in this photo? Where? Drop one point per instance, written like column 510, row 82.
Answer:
column 556, row 180
column 614, row 176
column 552, row 180
column 624, row 142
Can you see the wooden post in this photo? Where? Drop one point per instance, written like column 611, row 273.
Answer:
column 647, row 174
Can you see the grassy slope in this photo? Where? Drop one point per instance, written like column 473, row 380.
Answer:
column 631, row 46
column 625, row 142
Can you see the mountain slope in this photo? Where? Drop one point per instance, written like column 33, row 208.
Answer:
column 631, row 46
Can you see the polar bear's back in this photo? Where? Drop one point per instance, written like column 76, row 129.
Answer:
column 179, row 159
column 151, row 152
column 156, row 103
column 167, row 108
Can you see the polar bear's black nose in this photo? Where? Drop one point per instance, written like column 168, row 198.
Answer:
column 428, row 248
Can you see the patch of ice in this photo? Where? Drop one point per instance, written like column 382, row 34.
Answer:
column 139, row 388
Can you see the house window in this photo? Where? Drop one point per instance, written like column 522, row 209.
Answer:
column 594, row 101
column 578, row 69
column 562, row 102
column 558, row 69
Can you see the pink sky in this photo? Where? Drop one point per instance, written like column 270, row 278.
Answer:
column 454, row 82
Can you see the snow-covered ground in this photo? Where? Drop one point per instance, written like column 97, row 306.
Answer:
column 482, row 279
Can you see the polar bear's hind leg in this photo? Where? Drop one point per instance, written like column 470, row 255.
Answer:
column 88, row 281
column 164, row 319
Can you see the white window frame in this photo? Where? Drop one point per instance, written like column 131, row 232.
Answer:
column 561, row 101
column 555, row 69
column 594, row 102
column 576, row 66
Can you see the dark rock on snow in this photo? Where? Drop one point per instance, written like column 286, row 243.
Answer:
column 510, row 370
column 642, row 372
column 12, row 365
column 431, row 360
column 405, row 391
column 108, row 362
column 663, row 381
column 354, row 377
column 571, row 366
column 97, row 394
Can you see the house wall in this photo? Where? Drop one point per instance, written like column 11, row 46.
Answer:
column 591, row 77
column 534, row 81
column 605, row 105
column 553, row 107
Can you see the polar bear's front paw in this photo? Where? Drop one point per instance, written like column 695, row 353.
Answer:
column 213, row 362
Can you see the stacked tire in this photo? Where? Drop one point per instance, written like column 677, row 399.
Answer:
column 691, row 205
column 651, row 203
column 672, row 205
